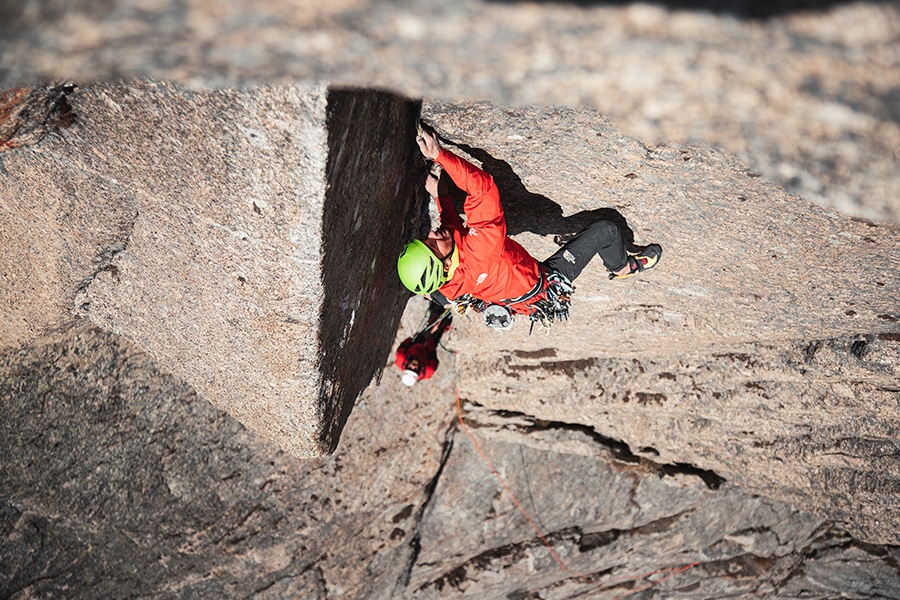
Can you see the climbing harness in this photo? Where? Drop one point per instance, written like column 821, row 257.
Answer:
column 669, row 571
column 546, row 302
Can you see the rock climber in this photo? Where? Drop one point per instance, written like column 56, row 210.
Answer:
column 475, row 265
column 417, row 355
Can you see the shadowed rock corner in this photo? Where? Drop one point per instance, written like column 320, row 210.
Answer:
column 246, row 239
column 370, row 161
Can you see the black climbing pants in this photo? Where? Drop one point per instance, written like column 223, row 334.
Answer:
column 601, row 237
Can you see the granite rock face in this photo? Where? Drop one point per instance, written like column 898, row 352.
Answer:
column 736, row 408
column 727, row 420
column 28, row 114
column 763, row 350
column 118, row 481
column 196, row 224
column 763, row 347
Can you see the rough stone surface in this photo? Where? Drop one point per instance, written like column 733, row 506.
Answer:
column 804, row 92
column 751, row 279
column 763, row 446
column 54, row 233
column 118, row 481
column 196, row 225
column 762, row 347
column 743, row 260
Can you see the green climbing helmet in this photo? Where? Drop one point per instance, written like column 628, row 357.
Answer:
column 419, row 269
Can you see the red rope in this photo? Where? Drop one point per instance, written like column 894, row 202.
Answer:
column 672, row 571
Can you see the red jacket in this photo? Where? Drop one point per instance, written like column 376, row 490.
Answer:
column 423, row 349
column 492, row 267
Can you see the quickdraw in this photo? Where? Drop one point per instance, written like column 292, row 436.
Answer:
column 554, row 303
column 464, row 304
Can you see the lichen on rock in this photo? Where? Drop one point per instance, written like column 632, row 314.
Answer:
column 28, row 114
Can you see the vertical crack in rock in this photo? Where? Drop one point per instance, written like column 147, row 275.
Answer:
column 318, row 582
column 371, row 154
column 104, row 261
column 416, row 538
column 296, row 214
column 28, row 114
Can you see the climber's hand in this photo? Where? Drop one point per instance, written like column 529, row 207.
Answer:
column 429, row 145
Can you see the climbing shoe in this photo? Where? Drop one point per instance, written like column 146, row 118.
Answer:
column 643, row 260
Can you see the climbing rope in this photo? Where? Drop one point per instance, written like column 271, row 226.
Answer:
column 429, row 324
column 671, row 571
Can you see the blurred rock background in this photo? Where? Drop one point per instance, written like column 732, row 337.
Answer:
column 806, row 92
